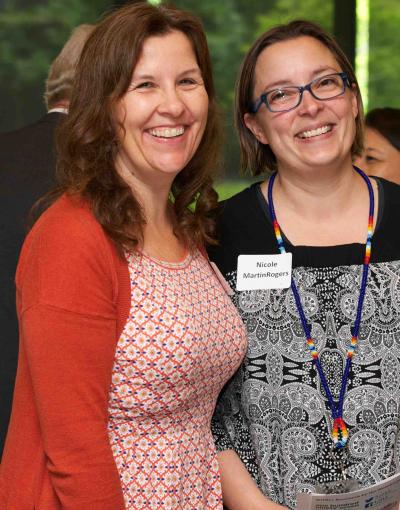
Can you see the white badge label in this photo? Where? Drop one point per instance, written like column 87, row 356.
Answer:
column 264, row 271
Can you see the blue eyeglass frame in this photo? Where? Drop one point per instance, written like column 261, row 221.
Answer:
column 263, row 98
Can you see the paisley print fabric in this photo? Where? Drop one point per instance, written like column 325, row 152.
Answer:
column 274, row 412
column 182, row 342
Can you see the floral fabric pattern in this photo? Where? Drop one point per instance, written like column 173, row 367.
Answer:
column 275, row 413
column 182, row 342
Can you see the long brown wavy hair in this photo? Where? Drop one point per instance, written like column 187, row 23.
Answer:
column 86, row 140
column 256, row 157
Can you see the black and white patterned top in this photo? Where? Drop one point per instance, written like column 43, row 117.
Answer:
column 274, row 412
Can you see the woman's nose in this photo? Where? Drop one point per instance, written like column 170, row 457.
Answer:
column 309, row 105
column 171, row 103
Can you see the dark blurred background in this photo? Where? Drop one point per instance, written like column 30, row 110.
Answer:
column 33, row 31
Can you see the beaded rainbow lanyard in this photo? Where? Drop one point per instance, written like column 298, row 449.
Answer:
column 339, row 430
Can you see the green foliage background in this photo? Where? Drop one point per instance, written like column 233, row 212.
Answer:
column 384, row 67
column 33, row 32
column 31, row 35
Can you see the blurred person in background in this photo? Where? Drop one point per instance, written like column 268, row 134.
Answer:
column 127, row 335
column 27, row 171
column 381, row 156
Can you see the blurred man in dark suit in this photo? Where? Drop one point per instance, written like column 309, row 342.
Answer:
column 27, row 171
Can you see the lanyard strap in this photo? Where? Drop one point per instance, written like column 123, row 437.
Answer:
column 339, row 429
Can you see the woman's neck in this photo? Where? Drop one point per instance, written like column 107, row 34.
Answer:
column 326, row 210
column 152, row 193
column 310, row 194
column 159, row 239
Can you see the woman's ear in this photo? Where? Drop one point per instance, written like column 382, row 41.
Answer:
column 253, row 125
column 354, row 102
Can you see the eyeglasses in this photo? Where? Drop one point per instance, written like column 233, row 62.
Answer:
column 287, row 98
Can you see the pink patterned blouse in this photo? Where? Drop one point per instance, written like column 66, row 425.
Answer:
column 183, row 340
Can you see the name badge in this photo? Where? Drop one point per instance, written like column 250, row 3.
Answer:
column 256, row 272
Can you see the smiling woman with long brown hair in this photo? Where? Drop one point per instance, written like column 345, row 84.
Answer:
column 122, row 355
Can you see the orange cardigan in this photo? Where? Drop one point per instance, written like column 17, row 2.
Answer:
column 73, row 299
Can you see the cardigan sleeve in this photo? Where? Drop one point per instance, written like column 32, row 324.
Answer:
column 67, row 289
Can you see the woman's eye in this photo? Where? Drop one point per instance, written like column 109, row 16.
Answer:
column 285, row 95
column 326, row 82
column 278, row 95
column 144, row 85
column 188, row 81
column 330, row 82
column 370, row 159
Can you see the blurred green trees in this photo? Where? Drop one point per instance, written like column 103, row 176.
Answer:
column 384, row 59
column 33, row 32
column 31, row 35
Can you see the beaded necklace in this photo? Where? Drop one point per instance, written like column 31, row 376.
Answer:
column 339, row 429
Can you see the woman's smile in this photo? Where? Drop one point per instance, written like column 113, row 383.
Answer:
column 163, row 115
column 316, row 132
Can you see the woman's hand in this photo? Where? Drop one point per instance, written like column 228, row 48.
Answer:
column 239, row 490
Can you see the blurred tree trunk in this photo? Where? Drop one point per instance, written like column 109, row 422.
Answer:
column 344, row 27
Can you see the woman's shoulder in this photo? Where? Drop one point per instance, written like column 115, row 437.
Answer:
column 389, row 202
column 67, row 214
column 391, row 191
column 240, row 210
column 386, row 240
column 66, row 226
column 242, row 227
column 236, row 203
column 66, row 252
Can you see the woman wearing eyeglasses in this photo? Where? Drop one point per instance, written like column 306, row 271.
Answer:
column 312, row 254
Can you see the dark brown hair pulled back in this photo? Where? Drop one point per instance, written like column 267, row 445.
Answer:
column 258, row 158
column 87, row 140
column 387, row 122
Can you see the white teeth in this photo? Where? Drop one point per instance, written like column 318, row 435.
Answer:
column 167, row 132
column 315, row 132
